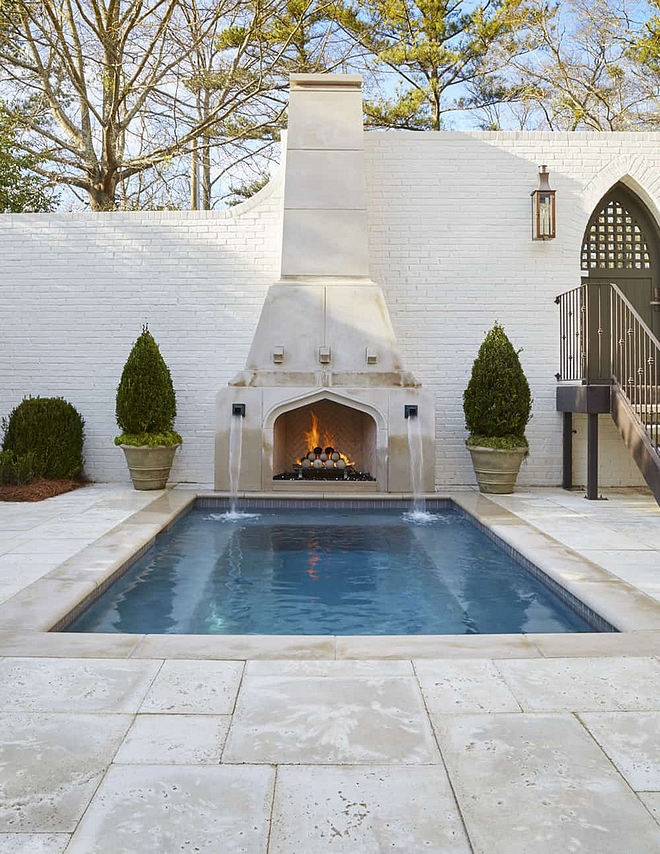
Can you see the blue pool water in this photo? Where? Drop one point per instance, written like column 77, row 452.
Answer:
column 327, row 572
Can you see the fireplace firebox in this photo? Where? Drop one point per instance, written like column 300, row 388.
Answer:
column 324, row 441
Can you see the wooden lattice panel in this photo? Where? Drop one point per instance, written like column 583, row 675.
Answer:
column 615, row 241
column 340, row 426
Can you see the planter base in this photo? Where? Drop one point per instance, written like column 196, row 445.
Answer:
column 149, row 467
column 496, row 470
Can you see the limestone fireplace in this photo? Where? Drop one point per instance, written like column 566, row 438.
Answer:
column 324, row 359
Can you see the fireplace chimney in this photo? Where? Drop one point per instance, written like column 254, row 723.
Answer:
column 325, row 332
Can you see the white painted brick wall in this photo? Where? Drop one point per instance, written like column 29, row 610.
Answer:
column 450, row 232
column 75, row 290
column 616, row 466
column 450, row 243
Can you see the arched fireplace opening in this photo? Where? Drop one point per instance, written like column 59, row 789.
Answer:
column 324, row 441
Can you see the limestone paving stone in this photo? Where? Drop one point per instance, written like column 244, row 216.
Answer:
column 235, row 647
column 194, row 687
column 588, row 645
column 50, row 766
column 539, row 783
column 632, row 742
column 162, row 809
column 74, row 685
column 42, row 604
column 435, row 646
column 174, row 740
column 67, row 645
column 651, row 801
column 584, row 684
column 33, row 843
column 62, row 548
column 24, row 569
column 464, row 686
column 346, row 810
column 327, row 720
column 328, row 668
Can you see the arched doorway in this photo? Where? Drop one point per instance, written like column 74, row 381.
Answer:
column 621, row 246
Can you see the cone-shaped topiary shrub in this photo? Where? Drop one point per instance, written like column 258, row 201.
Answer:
column 497, row 402
column 146, row 401
column 45, row 436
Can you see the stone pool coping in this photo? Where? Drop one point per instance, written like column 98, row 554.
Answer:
column 28, row 619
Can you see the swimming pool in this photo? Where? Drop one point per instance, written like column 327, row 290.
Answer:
column 327, row 572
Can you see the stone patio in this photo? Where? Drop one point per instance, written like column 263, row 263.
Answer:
column 487, row 744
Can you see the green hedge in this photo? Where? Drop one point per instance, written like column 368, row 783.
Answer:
column 146, row 402
column 497, row 401
column 45, row 436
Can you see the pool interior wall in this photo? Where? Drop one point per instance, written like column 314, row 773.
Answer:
column 335, row 567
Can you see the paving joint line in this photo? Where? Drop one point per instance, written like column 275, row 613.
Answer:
column 443, row 761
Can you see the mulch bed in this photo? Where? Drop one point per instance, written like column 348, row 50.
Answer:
column 40, row 489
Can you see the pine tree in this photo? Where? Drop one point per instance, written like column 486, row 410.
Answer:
column 447, row 55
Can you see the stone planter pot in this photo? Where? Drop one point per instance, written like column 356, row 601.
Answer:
column 149, row 467
column 496, row 470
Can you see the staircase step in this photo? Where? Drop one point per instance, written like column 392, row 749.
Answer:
column 639, row 426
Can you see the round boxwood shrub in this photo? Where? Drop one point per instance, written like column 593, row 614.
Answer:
column 497, row 401
column 16, row 470
column 46, row 435
column 146, row 401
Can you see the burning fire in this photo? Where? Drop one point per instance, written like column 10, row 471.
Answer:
column 315, row 439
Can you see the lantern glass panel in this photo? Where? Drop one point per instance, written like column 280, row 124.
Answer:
column 545, row 215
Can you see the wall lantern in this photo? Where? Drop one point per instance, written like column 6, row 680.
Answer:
column 543, row 208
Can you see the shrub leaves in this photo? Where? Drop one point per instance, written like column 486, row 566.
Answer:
column 43, row 438
column 146, row 402
column 497, row 401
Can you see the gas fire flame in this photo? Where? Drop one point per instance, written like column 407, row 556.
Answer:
column 315, row 439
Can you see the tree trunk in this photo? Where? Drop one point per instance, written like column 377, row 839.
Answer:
column 101, row 200
column 206, row 158
column 102, row 193
column 435, row 113
column 194, row 175
column 206, row 177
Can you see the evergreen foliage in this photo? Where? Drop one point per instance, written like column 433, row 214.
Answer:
column 448, row 56
column 45, row 435
column 21, row 191
column 497, row 401
column 146, row 401
column 241, row 192
column 17, row 470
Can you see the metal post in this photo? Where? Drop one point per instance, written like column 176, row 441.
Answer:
column 592, row 456
column 567, row 478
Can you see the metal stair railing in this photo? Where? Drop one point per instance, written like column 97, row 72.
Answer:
column 635, row 353
column 584, row 315
column 572, row 341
